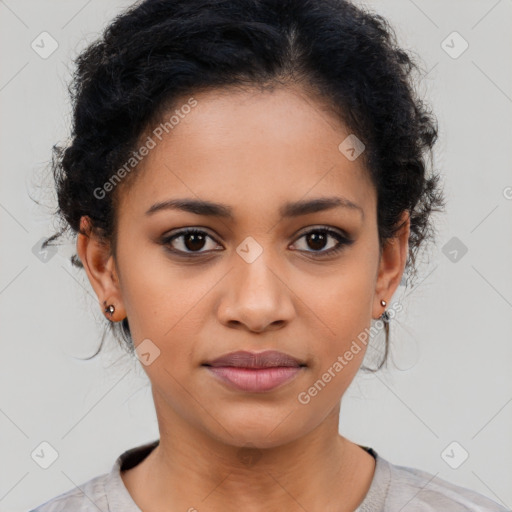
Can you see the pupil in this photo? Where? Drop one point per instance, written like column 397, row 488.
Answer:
column 316, row 237
column 194, row 237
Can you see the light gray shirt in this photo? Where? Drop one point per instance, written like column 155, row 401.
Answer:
column 393, row 488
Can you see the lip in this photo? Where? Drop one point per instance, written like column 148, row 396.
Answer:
column 265, row 359
column 255, row 380
column 255, row 372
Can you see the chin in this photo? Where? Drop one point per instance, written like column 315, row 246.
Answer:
column 242, row 432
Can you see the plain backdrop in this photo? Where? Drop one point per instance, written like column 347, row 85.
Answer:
column 449, row 391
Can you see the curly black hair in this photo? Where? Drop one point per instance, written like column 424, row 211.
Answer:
column 158, row 51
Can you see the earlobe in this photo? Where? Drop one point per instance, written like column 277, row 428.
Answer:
column 391, row 266
column 99, row 265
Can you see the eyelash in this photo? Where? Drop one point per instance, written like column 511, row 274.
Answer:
column 342, row 242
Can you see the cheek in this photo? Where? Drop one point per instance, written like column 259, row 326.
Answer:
column 345, row 308
column 346, row 302
column 163, row 304
column 151, row 298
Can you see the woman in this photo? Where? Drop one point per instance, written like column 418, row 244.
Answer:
column 247, row 182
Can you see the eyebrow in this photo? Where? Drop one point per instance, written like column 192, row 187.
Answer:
column 288, row 210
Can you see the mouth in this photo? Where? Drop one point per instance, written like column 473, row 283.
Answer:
column 256, row 360
column 255, row 371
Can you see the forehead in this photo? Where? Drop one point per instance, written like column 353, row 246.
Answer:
column 248, row 147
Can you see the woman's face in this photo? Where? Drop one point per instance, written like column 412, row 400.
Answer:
column 264, row 277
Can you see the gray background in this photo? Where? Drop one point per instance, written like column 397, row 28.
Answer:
column 452, row 378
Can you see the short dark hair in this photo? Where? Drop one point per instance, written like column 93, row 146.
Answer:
column 160, row 50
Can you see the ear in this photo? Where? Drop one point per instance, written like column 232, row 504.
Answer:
column 392, row 265
column 99, row 264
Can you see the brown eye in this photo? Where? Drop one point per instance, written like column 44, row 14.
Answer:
column 190, row 241
column 318, row 240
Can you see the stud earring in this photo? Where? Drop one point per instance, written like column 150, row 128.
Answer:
column 110, row 310
column 385, row 315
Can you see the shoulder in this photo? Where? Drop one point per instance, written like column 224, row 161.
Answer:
column 103, row 490
column 412, row 489
column 89, row 496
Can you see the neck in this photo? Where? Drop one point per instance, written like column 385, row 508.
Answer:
column 190, row 470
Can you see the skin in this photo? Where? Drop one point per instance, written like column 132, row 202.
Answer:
column 253, row 151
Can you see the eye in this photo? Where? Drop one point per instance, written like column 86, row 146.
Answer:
column 318, row 238
column 192, row 241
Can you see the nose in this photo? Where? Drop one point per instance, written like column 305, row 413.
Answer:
column 256, row 296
